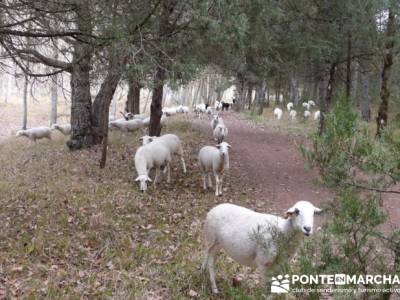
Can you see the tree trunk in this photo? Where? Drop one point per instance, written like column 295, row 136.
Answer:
column 81, row 101
column 259, row 100
column 326, row 103
column 133, row 98
column 239, row 102
column 54, row 100
column 101, row 104
column 25, row 103
column 365, row 96
column 156, row 102
column 249, row 96
column 382, row 118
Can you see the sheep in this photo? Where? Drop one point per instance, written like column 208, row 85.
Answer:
column 289, row 106
column 127, row 115
column 152, row 155
column 170, row 111
column 311, row 103
column 35, row 133
column 216, row 160
column 306, row 114
column 250, row 238
column 317, row 115
column 220, row 133
column 171, row 141
column 217, row 105
column 200, row 109
column 65, row 129
column 278, row 113
column 126, row 126
column 185, row 109
column 215, row 121
column 209, row 110
column 146, row 121
column 306, row 105
column 292, row 115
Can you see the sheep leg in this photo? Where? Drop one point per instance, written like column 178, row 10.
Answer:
column 216, row 184
column 209, row 181
column 156, row 178
column 209, row 262
column 203, row 175
column 183, row 164
column 168, row 172
column 221, row 177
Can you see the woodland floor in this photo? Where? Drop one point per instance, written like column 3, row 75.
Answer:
column 71, row 230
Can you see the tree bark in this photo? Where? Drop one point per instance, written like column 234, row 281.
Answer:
column 382, row 118
column 365, row 96
column 326, row 103
column 249, row 96
column 133, row 98
column 156, row 102
column 54, row 100
column 259, row 100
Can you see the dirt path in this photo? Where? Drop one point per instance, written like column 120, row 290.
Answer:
column 269, row 164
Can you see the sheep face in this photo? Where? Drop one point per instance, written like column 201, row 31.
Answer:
column 143, row 182
column 223, row 148
column 21, row 133
column 302, row 216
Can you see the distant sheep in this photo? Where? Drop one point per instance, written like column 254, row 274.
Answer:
column 172, row 142
column 306, row 105
column 317, row 115
column 292, row 115
column 220, row 133
column 251, row 238
column 214, row 160
column 289, row 106
column 36, row 133
column 170, row 111
column 147, row 157
column 215, row 121
column 306, row 114
column 278, row 113
column 126, row 126
column 311, row 103
column 65, row 129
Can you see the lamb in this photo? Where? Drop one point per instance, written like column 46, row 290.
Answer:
column 306, row 114
column 289, row 106
column 317, row 115
column 216, row 160
column 36, row 133
column 278, row 113
column 292, row 115
column 126, row 126
column 306, row 105
column 171, row 141
column 220, row 133
column 215, row 121
column 250, row 238
column 65, row 129
column 152, row 155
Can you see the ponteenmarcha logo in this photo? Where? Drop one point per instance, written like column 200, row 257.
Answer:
column 280, row 284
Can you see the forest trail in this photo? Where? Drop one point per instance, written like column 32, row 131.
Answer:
column 268, row 164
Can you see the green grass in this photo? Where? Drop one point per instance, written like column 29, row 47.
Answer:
column 72, row 230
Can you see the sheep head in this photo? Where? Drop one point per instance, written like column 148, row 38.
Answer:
column 223, row 148
column 146, row 139
column 302, row 216
column 143, row 182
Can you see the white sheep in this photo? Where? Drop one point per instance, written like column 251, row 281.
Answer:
column 306, row 114
column 306, row 105
column 251, row 238
column 147, row 157
column 185, row 109
column 209, row 110
column 311, row 103
column 220, row 132
column 317, row 115
column 172, row 142
column 217, row 105
column 170, row 111
column 292, row 114
column 146, row 121
column 200, row 109
column 215, row 121
column 36, row 133
column 289, row 106
column 126, row 126
column 215, row 160
column 278, row 113
column 65, row 129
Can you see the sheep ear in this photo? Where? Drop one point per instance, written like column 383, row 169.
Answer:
column 229, row 146
column 292, row 211
column 141, row 139
column 317, row 210
column 218, row 146
column 148, row 179
column 137, row 179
